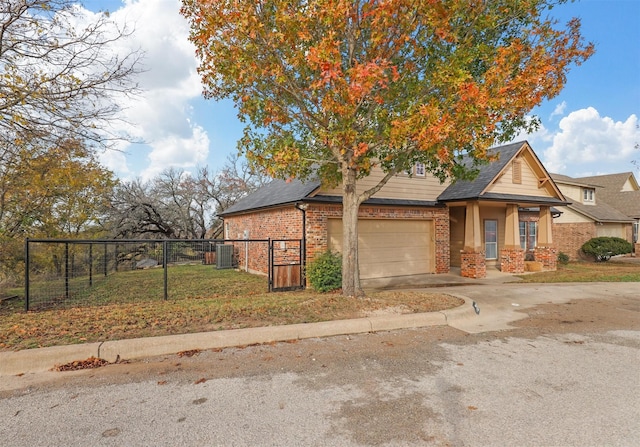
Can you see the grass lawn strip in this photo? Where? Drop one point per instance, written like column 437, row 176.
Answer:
column 203, row 299
column 588, row 272
column 20, row 330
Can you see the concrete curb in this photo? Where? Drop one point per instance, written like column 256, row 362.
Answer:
column 461, row 312
column 44, row 359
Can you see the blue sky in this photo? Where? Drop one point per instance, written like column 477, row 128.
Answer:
column 590, row 128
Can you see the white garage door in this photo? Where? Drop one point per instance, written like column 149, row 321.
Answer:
column 388, row 248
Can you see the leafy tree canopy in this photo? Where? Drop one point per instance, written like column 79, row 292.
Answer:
column 336, row 88
column 336, row 83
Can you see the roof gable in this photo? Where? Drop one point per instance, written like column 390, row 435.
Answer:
column 484, row 184
column 622, row 181
column 619, row 191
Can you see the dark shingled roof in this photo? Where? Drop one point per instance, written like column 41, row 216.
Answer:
column 465, row 190
column 277, row 192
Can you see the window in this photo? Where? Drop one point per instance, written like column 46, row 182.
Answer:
column 528, row 232
column 491, row 239
column 588, row 195
column 516, row 170
column 636, row 232
column 420, row 170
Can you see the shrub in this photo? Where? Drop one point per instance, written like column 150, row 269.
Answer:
column 602, row 248
column 325, row 272
column 563, row 258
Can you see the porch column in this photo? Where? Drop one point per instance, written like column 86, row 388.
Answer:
column 512, row 254
column 473, row 263
column 545, row 251
column 545, row 237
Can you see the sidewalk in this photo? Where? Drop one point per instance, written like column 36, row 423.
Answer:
column 43, row 359
column 453, row 278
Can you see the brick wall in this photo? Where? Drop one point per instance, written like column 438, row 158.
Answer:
column 286, row 223
column 512, row 260
column 473, row 264
column 569, row 237
column 548, row 256
column 279, row 223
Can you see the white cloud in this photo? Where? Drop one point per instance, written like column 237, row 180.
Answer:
column 116, row 161
column 588, row 143
column 559, row 110
column 174, row 151
column 161, row 116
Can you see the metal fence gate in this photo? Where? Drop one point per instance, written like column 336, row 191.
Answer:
column 286, row 264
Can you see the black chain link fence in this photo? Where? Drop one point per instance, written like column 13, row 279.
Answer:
column 67, row 273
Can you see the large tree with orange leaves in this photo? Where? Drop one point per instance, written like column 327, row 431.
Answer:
column 336, row 88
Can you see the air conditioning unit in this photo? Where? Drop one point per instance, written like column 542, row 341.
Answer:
column 224, row 256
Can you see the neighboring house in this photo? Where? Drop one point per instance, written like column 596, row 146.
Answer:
column 602, row 205
column 414, row 224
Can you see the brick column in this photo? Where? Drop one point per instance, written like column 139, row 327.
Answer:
column 512, row 260
column 548, row 256
column 473, row 264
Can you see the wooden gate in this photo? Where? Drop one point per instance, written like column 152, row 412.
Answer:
column 286, row 261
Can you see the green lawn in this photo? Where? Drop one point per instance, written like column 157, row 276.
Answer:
column 588, row 272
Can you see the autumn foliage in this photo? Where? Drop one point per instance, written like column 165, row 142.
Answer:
column 337, row 88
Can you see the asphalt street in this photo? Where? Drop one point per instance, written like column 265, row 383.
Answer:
column 559, row 380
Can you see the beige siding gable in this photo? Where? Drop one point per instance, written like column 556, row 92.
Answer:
column 401, row 186
column 629, row 185
column 572, row 192
column 528, row 180
column 570, row 216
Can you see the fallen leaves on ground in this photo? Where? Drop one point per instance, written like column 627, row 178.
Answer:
column 90, row 363
column 189, row 353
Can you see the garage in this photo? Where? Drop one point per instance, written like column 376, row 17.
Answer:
column 389, row 248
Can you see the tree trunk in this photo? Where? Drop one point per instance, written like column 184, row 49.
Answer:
column 350, row 205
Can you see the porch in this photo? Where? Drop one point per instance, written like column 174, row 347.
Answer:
column 500, row 235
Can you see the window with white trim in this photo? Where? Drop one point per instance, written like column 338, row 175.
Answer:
column 588, row 195
column 491, row 239
column 528, row 232
column 420, row 170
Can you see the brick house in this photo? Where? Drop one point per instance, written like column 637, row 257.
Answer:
column 416, row 225
column 602, row 205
